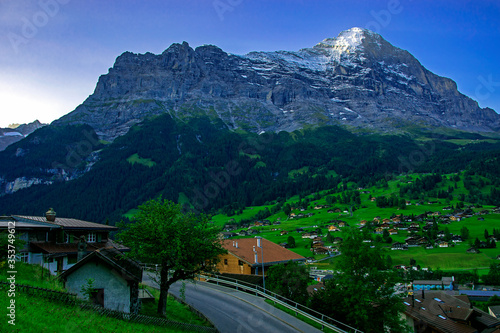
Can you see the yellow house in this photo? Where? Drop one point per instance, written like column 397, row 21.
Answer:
column 245, row 256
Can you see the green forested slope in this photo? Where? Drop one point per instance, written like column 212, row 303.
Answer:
column 209, row 167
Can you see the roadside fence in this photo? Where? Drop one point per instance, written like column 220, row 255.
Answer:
column 71, row 299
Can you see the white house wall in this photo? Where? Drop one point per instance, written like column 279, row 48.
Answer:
column 116, row 289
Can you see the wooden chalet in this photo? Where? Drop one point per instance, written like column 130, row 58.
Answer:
column 245, row 256
column 54, row 241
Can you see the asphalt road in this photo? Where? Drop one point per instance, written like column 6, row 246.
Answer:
column 232, row 311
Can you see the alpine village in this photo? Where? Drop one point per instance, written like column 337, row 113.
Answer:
column 339, row 188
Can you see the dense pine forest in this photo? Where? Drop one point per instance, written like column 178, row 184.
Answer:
column 207, row 167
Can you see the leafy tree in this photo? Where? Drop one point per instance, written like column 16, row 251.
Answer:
column 385, row 234
column 447, row 234
column 88, row 289
column 493, row 300
column 329, row 237
column 291, row 242
column 486, row 234
column 477, row 243
column 362, row 290
column 496, row 233
column 388, row 260
column 493, row 276
column 464, row 233
column 287, row 209
column 184, row 244
column 402, row 203
column 289, row 280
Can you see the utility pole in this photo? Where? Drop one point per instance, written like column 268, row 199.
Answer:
column 259, row 244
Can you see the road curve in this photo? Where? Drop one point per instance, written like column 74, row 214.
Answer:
column 232, row 311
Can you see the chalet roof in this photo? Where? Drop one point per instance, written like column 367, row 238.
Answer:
column 273, row 253
column 495, row 309
column 480, row 293
column 431, row 313
column 66, row 223
column 55, row 249
column 446, row 313
column 6, row 221
column 129, row 269
column 428, row 282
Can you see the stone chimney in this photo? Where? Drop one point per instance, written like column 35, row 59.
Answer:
column 50, row 215
column 82, row 248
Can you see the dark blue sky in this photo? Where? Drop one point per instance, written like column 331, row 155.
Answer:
column 53, row 51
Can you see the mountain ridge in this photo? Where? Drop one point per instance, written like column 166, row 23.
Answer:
column 13, row 134
column 357, row 79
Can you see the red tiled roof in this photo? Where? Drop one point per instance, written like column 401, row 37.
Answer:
column 68, row 222
column 273, row 253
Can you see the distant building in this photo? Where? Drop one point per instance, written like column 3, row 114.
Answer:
column 245, row 257
column 479, row 295
column 446, row 283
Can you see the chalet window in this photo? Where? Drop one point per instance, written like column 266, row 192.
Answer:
column 91, row 238
column 225, row 261
column 240, row 262
column 68, row 238
column 24, row 256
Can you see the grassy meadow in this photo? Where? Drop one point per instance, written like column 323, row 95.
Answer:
column 37, row 314
column 451, row 258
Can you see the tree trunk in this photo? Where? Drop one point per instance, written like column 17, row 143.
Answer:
column 166, row 282
column 164, row 286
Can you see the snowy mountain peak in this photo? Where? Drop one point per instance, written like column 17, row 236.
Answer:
column 347, row 41
column 357, row 78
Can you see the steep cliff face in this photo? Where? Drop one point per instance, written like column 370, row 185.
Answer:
column 357, row 79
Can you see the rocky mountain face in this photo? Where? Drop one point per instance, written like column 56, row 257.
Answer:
column 51, row 154
column 356, row 79
column 9, row 135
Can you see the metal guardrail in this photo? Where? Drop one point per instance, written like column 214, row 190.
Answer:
column 298, row 308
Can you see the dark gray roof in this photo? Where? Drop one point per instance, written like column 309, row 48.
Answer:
column 6, row 222
column 447, row 313
column 66, row 223
column 495, row 309
column 128, row 268
column 480, row 293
